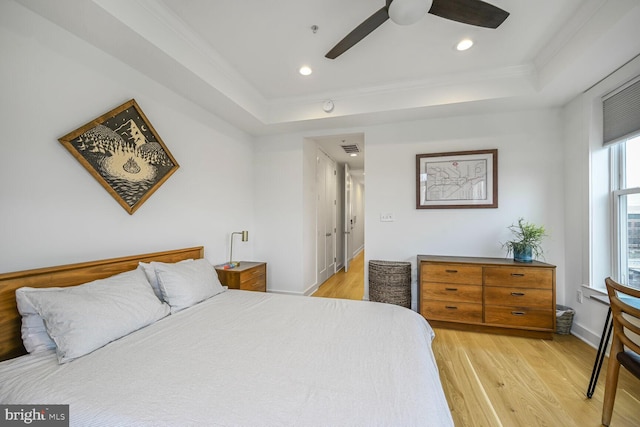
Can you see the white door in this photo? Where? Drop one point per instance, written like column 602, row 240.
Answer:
column 331, row 207
column 348, row 221
column 326, row 216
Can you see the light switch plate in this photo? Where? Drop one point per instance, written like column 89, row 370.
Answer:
column 386, row 217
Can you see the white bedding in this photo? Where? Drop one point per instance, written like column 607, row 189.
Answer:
column 249, row 359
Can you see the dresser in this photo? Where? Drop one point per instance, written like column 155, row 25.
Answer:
column 248, row 276
column 488, row 294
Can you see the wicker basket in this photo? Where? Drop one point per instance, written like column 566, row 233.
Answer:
column 564, row 321
column 390, row 282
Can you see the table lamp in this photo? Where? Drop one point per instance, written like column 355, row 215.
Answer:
column 245, row 237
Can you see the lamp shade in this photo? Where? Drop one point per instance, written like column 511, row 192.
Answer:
column 407, row 12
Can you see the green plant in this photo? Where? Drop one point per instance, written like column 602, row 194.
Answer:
column 526, row 235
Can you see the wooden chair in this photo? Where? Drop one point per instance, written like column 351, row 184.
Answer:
column 625, row 347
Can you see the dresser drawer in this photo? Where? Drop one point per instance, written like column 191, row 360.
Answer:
column 520, row 277
column 257, row 283
column 451, row 292
column 519, row 317
column 452, row 311
column 488, row 294
column 251, row 274
column 451, row 273
column 518, row 297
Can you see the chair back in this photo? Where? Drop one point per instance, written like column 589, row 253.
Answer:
column 626, row 318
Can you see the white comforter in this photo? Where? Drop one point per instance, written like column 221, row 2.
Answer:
column 249, row 359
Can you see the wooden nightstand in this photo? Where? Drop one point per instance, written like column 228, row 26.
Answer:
column 248, row 276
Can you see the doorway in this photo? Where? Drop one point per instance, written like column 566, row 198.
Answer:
column 346, row 154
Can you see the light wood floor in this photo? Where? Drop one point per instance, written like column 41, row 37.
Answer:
column 495, row 380
column 343, row 285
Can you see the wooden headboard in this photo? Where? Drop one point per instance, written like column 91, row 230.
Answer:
column 65, row 275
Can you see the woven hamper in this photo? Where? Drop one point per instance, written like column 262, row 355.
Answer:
column 390, row 282
column 565, row 320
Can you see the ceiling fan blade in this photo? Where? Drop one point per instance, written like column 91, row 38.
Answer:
column 472, row 12
column 360, row 32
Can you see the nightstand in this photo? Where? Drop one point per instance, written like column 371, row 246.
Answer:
column 248, row 276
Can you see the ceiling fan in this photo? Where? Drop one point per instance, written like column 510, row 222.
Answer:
column 406, row 12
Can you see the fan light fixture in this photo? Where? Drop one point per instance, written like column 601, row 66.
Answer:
column 404, row 12
column 407, row 12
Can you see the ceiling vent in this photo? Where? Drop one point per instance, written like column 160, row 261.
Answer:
column 350, row 149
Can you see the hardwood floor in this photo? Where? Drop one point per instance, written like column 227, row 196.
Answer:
column 496, row 380
column 343, row 285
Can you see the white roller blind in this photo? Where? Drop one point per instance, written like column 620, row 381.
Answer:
column 621, row 114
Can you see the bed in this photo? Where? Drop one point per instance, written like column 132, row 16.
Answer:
column 236, row 358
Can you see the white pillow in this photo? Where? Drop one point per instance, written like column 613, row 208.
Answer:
column 81, row 319
column 185, row 284
column 34, row 333
column 150, row 272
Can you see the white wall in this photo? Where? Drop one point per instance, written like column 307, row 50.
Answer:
column 588, row 208
column 281, row 208
column 530, row 159
column 52, row 210
column 529, row 185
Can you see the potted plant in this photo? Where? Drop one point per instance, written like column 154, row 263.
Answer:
column 526, row 244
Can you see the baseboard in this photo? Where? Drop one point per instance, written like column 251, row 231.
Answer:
column 357, row 251
column 311, row 289
column 276, row 291
column 585, row 335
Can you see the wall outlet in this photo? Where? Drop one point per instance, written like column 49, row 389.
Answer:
column 579, row 296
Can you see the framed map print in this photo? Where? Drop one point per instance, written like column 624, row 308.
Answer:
column 124, row 153
column 463, row 179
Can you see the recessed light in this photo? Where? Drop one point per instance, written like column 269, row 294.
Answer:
column 464, row 44
column 305, row 70
column 353, row 155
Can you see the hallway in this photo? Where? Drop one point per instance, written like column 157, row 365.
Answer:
column 343, row 285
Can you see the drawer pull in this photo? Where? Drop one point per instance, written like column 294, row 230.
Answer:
column 518, row 274
column 518, row 313
column 451, row 289
column 450, row 307
column 451, row 271
column 517, row 294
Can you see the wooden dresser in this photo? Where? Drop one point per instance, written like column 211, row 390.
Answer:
column 488, row 294
column 248, row 276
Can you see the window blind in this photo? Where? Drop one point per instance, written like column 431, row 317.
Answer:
column 621, row 114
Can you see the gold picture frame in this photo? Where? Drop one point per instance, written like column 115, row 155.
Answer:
column 124, row 153
column 456, row 180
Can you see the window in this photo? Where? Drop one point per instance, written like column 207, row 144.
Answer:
column 626, row 208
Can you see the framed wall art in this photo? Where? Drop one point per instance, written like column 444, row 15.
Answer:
column 124, row 153
column 463, row 179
